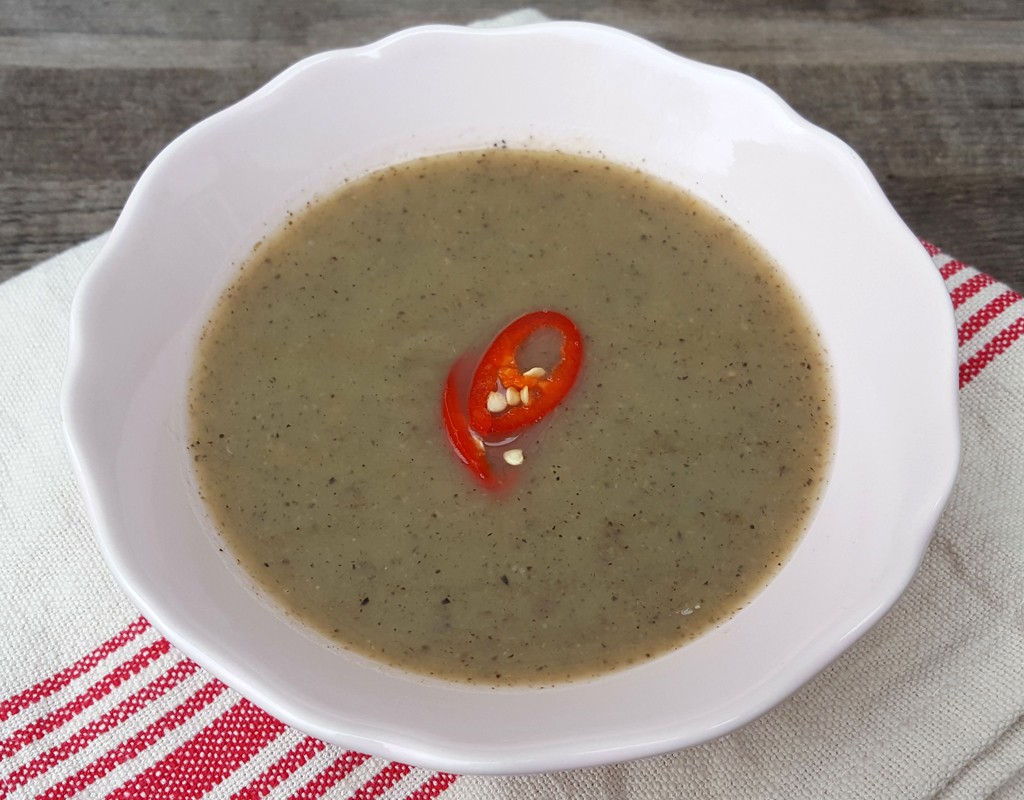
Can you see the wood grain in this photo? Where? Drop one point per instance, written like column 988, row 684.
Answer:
column 929, row 92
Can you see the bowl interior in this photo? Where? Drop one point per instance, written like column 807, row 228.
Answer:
column 803, row 195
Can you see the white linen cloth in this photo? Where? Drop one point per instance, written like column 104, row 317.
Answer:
column 95, row 703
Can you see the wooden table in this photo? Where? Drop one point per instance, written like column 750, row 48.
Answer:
column 932, row 98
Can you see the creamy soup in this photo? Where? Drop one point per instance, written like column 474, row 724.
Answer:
column 654, row 502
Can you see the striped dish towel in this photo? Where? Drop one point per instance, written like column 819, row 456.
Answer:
column 95, row 703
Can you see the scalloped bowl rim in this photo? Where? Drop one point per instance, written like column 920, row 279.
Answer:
column 803, row 194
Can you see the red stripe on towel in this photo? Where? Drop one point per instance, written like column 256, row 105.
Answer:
column 280, row 770
column 103, row 725
column 99, row 690
column 951, row 268
column 970, row 287
column 207, row 758
column 985, row 315
column 57, row 682
column 137, row 744
column 973, row 366
column 382, row 781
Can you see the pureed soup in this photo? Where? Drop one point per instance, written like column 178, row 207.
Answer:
column 661, row 493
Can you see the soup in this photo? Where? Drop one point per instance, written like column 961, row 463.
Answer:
column 658, row 498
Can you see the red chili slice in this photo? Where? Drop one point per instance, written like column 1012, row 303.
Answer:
column 468, row 448
column 500, row 367
column 538, row 391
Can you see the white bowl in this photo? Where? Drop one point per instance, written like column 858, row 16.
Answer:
column 806, row 197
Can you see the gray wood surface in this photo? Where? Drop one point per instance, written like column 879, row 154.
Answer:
column 929, row 92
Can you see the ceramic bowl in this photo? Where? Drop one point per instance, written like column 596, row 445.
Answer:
column 196, row 213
